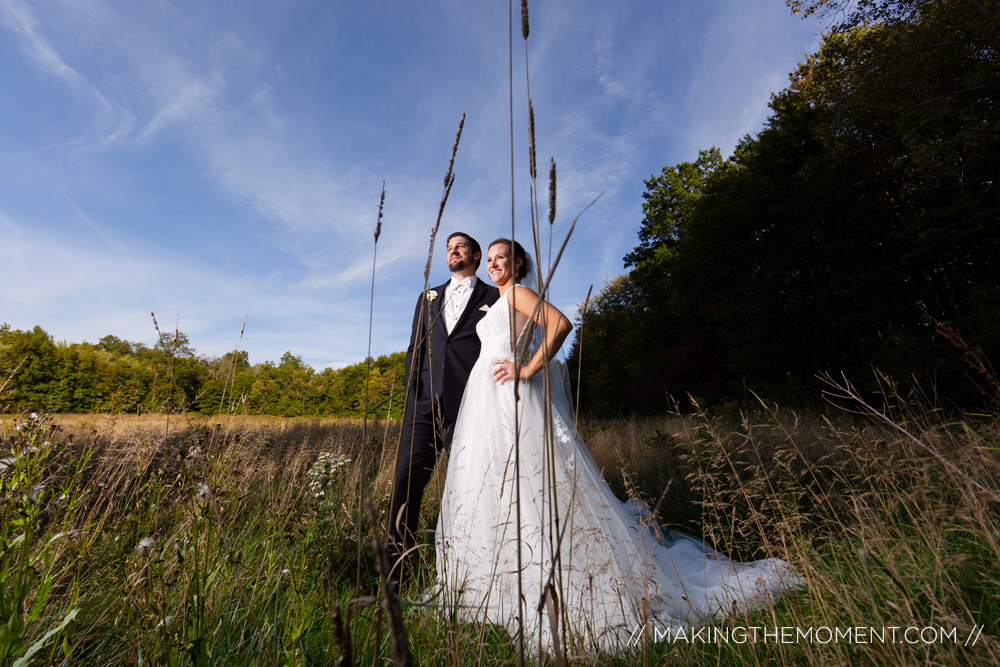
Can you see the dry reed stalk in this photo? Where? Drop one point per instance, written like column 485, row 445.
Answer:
column 583, row 316
column 368, row 370
column 231, row 380
column 549, row 501
column 231, row 377
column 12, row 374
column 843, row 389
column 423, row 323
column 449, row 180
column 552, row 197
column 973, row 356
column 532, row 164
column 423, row 327
column 346, row 657
column 388, row 597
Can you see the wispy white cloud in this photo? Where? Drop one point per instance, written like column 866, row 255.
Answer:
column 284, row 135
column 20, row 21
column 741, row 62
column 186, row 104
column 114, row 123
column 84, row 293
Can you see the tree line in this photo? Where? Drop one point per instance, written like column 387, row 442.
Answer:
column 858, row 230
column 116, row 375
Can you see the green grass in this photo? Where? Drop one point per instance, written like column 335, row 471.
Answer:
column 161, row 540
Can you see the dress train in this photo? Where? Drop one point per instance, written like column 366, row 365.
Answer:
column 612, row 571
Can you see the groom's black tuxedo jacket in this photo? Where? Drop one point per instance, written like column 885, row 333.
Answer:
column 440, row 362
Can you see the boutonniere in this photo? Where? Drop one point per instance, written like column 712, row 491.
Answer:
column 485, row 309
column 431, row 295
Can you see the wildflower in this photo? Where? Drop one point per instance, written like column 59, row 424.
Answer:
column 431, row 295
column 323, row 472
column 146, row 544
column 203, row 492
column 36, row 493
column 286, row 573
column 165, row 623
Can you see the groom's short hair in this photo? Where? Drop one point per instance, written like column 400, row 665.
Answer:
column 473, row 245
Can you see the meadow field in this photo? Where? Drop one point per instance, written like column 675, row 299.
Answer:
column 246, row 540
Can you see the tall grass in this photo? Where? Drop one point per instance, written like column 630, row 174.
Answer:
column 123, row 543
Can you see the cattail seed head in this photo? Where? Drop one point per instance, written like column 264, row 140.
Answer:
column 531, row 136
column 552, row 192
column 449, row 180
column 454, row 150
column 378, row 223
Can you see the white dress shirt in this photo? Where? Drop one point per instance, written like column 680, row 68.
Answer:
column 456, row 298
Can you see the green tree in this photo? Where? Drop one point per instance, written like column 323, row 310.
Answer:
column 32, row 354
column 869, row 199
column 637, row 348
column 668, row 204
column 116, row 346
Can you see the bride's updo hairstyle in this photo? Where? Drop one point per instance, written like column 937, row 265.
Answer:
column 520, row 271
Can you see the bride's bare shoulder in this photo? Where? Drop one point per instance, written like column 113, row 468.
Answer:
column 521, row 292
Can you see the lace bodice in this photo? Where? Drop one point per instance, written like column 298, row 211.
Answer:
column 495, row 331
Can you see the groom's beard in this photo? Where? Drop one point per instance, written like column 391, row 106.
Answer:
column 458, row 265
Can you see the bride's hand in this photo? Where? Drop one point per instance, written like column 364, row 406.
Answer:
column 503, row 370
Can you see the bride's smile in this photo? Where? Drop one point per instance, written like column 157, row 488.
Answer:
column 498, row 265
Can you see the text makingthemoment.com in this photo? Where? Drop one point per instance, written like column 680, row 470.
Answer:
column 929, row 634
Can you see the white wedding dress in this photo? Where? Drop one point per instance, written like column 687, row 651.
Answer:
column 612, row 572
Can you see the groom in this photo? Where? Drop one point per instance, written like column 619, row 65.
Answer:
column 443, row 348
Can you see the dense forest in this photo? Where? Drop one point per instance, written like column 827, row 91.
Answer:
column 858, row 231
column 120, row 376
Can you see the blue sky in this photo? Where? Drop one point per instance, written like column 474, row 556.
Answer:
column 206, row 160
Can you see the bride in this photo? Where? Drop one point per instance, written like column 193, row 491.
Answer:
column 592, row 569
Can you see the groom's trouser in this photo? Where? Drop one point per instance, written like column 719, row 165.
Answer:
column 423, row 440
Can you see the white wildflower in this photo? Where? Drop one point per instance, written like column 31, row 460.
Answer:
column 36, row 493
column 145, row 545
column 195, row 453
column 166, row 623
column 323, row 472
column 204, row 492
column 431, row 295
